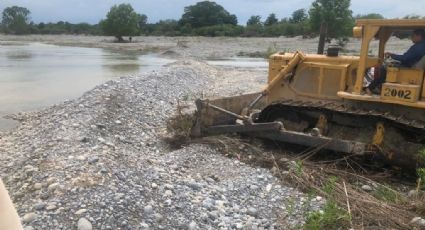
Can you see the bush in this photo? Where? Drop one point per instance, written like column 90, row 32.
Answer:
column 64, row 28
column 279, row 29
column 219, row 30
column 254, row 31
column 163, row 28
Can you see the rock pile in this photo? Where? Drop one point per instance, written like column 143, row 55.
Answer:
column 98, row 162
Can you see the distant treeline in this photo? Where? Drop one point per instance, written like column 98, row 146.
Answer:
column 170, row 27
column 202, row 19
column 64, row 28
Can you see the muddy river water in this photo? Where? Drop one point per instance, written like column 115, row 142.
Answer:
column 34, row 75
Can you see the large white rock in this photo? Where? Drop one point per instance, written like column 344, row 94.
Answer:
column 84, row 224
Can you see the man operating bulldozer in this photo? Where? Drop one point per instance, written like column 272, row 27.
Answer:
column 411, row 57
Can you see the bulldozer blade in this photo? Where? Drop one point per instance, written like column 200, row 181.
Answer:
column 208, row 116
column 256, row 127
column 322, row 142
column 211, row 120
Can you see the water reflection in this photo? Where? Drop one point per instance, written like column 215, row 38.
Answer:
column 129, row 56
column 17, row 55
column 121, row 68
column 12, row 43
column 35, row 75
column 122, row 63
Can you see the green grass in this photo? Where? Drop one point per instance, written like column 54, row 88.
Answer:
column 298, row 167
column 421, row 177
column 329, row 186
column 385, row 193
column 331, row 217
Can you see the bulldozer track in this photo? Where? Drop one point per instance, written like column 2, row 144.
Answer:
column 343, row 108
column 393, row 151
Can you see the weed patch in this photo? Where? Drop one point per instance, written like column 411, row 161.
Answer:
column 385, row 193
column 179, row 128
column 331, row 217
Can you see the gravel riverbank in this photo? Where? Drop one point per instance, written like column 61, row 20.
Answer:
column 99, row 162
column 204, row 47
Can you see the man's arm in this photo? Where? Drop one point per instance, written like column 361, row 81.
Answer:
column 408, row 58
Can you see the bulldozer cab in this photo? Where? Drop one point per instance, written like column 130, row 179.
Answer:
column 403, row 85
column 333, row 77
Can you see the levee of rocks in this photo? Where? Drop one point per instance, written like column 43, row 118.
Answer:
column 98, row 162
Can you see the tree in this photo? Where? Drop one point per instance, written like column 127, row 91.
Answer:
column 412, row 16
column 143, row 24
column 219, row 30
column 15, row 20
column 335, row 13
column 271, row 20
column 168, row 27
column 298, row 16
column 284, row 20
column 369, row 16
column 254, row 27
column 206, row 13
column 143, row 20
column 254, row 20
column 121, row 21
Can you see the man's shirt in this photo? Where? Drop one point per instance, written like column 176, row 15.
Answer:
column 412, row 55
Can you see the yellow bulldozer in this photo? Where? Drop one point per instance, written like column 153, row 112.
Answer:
column 318, row 101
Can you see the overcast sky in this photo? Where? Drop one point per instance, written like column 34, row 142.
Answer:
column 92, row 11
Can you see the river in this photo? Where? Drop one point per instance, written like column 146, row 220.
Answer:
column 35, row 75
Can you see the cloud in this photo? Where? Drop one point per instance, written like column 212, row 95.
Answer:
column 93, row 10
column 389, row 8
column 246, row 8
